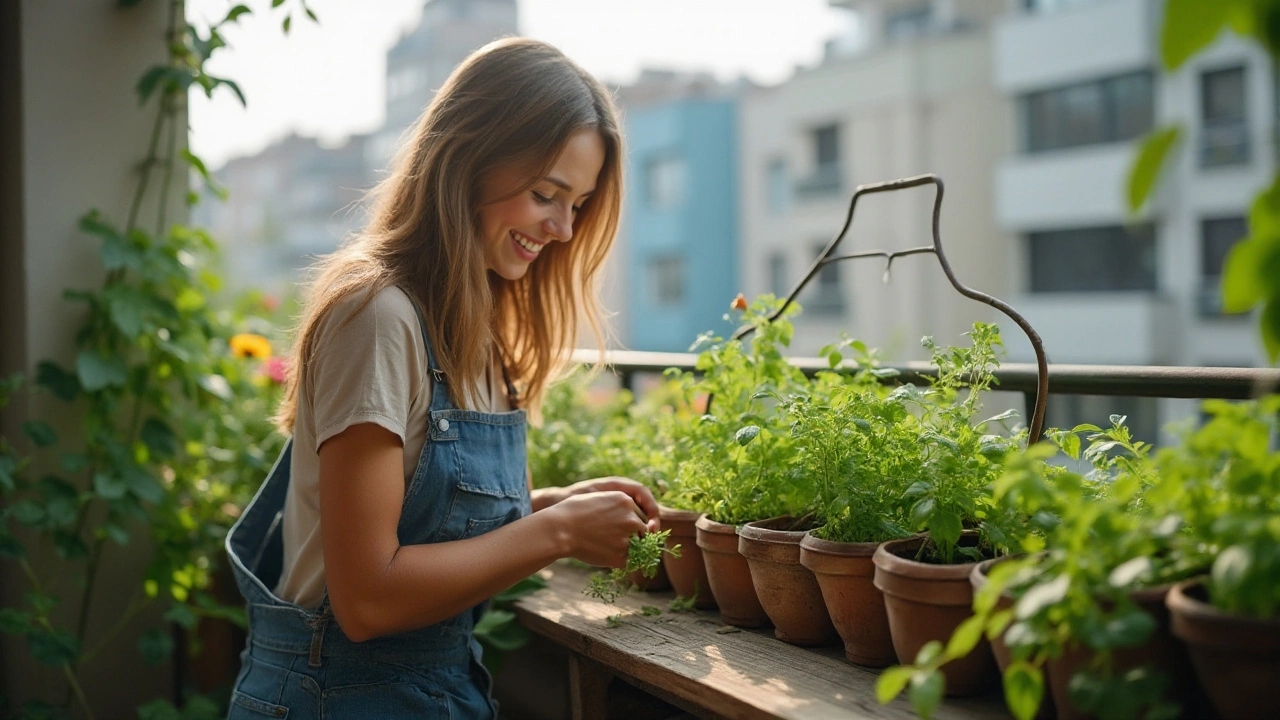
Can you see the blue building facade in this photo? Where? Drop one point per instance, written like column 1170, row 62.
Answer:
column 680, row 221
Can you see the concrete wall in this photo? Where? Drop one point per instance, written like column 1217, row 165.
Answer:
column 73, row 136
column 921, row 106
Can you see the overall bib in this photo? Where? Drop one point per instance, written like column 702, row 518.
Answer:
column 297, row 663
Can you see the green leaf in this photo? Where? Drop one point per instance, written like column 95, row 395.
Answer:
column 159, row 438
column 8, row 473
column 926, row 693
column 109, row 487
column 97, row 372
column 1071, row 445
column 155, row 645
column 10, row 546
column 276, row 3
column 182, row 615
column 115, row 533
column 891, row 682
column 531, row 584
column 945, row 527
column 1042, row 596
column 747, row 434
column 1023, row 689
column 73, row 462
column 144, row 485
column 1130, row 629
column 235, row 88
column 27, row 512
column 61, row 383
column 14, row 622
column 53, row 647
column 40, row 433
column 288, row 21
column 965, row 638
column 1190, row 26
column 158, row 710
column 70, row 547
column 1146, row 168
column 929, row 652
column 312, row 15
column 128, row 307
column 217, row 386
column 234, row 13
column 1130, row 572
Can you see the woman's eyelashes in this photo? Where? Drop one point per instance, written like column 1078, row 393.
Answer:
column 544, row 200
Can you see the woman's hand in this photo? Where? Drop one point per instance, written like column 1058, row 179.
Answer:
column 596, row 526
column 638, row 493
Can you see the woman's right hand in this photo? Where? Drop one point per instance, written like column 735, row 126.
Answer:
column 597, row 527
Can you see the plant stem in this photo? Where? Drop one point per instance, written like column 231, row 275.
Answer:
column 163, row 201
column 94, row 560
column 136, row 605
column 77, row 690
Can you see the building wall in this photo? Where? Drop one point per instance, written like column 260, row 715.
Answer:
column 73, row 136
column 696, row 227
column 923, row 105
column 1085, row 186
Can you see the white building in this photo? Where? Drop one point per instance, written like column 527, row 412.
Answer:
column 1084, row 81
column 912, row 94
column 423, row 59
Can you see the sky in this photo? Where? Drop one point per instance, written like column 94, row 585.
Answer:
column 327, row 80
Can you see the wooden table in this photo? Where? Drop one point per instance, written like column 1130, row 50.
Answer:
column 697, row 663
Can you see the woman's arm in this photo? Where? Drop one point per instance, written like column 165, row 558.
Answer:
column 379, row 587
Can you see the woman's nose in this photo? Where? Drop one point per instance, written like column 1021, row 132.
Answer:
column 560, row 226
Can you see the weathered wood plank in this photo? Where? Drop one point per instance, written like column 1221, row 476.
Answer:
column 694, row 658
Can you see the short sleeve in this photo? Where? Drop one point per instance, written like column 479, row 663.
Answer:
column 367, row 366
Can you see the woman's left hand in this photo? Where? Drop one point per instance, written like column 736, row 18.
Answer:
column 643, row 498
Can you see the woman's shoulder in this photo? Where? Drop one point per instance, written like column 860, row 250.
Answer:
column 358, row 315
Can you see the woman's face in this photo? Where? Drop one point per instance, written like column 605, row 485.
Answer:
column 515, row 229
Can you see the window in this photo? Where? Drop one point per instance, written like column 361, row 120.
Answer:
column 1224, row 131
column 1108, row 110
column 665, row 182
column 825, row 179
column 779, row 283
column 1217, row 237
column 666, row 280
column 823, row 296
column 909, row 22
column 777, row 187
column 1097, row 259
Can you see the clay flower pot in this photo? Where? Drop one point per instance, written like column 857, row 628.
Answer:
column 687, row 573
column 1161, row 651
column 927, row 602
column 1237, row 658
column 728, row 575
column 844, row 572
column 1004, row 658
column 787, row 590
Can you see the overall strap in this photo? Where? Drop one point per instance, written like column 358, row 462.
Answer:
column 439, row 395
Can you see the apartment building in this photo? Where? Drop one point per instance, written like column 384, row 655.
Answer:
column 912, row 94
column 1084, row 84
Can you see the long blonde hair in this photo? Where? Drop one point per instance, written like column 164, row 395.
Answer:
column 515, row 102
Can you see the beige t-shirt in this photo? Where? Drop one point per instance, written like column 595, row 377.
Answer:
column 371, row 369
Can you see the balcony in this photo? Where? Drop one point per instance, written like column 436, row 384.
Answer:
column 1102, row 328
column 822, row 183
column 1039, row 50
column 1077, row 186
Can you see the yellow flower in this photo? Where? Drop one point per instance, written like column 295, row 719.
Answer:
column 247, row 345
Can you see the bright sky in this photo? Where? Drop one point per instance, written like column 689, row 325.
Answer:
column 328, row 80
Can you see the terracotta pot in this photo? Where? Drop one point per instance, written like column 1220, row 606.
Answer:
column 1004, row 658
column 1237, row 658
column 658, row 582
column 687, row 573
column 927, row 602
column 1162, row 651
column 787, row 590
column 728, row 574
column 844, row 572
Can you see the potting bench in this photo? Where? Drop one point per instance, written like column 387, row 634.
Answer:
column 697, row 663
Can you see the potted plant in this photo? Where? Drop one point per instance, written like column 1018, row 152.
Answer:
column 925, row 579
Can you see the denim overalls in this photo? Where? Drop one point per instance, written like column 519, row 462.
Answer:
column 297, row 663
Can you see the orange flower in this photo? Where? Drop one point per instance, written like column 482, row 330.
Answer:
column 246, row 345
column 739, row 303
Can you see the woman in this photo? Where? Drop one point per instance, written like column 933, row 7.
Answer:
column 402, row 501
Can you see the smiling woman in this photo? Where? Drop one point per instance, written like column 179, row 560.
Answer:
column 404, row 489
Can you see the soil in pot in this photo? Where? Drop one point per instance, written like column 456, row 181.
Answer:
column 728, row 575
column 687, row 573
column 787, row 590
column 1236, row 658
column 844, row 572
column 1162, row 651
column 927, row 602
